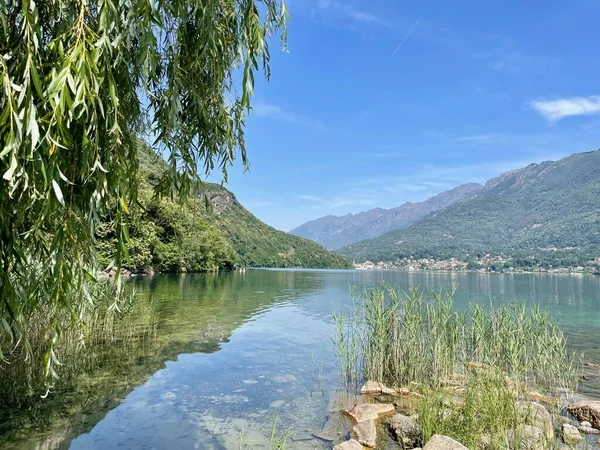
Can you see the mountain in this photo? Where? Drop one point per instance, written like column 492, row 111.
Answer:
column 337, row 231
column 544, row 211
column 212, row 231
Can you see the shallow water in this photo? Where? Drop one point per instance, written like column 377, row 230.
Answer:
column 237, row 352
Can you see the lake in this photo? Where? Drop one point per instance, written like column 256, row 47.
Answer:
column 239, row 355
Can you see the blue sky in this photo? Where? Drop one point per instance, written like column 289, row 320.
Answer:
column 382, row 102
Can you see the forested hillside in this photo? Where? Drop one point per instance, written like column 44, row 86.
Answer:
column 545, row 211
column 211, row 231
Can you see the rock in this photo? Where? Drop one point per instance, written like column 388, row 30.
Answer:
column 570, row 434
column 440, row 442
column 559, row 420
column 388, row 391
column 369, row 411
column 333, row 430
column 371, row 388
column 593, row 365
column 341, row 400
column 585, row 423
column 535, row 414
column 277, row 404
column 588, row 410
column 352, row 444
column 406, row 430
column 588, row 430
column 526, row 437
column 536, row 396
column 365, row 433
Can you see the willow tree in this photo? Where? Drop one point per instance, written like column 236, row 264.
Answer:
column 82, row 81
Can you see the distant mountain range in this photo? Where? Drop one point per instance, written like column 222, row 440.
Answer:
column 337, row 231
column 539, row 211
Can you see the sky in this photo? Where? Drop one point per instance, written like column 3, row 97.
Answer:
column 376, row 102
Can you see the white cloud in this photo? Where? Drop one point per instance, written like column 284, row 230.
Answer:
column 555, row 110
column 357, row 15
column 262, row 109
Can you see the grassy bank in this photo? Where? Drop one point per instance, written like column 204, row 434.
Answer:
column 468, row 370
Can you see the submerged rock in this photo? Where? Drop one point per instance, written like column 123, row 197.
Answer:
column 365, row 433
column 440, row 442
column 535, row 414
column 570, row 434
column 369, row 411
column 277, row 404
column 588, row 410
column 352, row 444
column 406, row 430
column 333, row 430
column 526, row 437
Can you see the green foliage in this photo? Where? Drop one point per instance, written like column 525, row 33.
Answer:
column 468, row 368
column 212, row 231
column 544, row 215
column 399, row 338
column 81, row 80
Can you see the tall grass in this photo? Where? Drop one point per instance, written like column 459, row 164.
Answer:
column 100, row 328
column 400, row 338
column 469, row 367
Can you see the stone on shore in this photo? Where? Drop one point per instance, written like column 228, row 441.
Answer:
column 369, row 411
column 588, row 430
column 352, row 444
column 588, row 410
column 526, row 437
column 570, row 434
column 365, row 433
column 535, row 414
column 536, row 396
column 440, row 442
column 371, row 388
column 406, row 430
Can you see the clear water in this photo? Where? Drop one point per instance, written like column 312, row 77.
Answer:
column 237, row 351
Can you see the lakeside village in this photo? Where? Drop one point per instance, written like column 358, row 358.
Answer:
column 486, row 263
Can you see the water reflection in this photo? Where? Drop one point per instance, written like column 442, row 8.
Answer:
column 235, row 350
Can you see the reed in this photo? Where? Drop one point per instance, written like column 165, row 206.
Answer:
column 73, row 344
column 400, row 338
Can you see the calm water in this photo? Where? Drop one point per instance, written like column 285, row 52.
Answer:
column 237, row 351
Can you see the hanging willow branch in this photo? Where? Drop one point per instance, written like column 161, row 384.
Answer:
column 81, row 81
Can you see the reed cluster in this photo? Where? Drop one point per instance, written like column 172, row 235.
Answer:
column 61, row 347
column 400, row 338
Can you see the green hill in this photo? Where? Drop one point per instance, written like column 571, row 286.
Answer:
column 167, row 237
column 549, row 212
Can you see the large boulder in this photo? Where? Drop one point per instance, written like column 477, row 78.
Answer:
column 365, row 433
column 588, row 410
column 369, row 411
column 440, row 442
column 352, row 444
column 406, row 430
column 570, row 434
column 533, row 413
column 526, row 437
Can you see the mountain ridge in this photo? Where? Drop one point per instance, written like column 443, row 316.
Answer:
column 539, row 211
column 336, row 231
